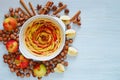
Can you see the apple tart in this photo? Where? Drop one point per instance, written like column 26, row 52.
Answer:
column 42, row 37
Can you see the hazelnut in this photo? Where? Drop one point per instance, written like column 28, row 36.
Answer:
column 18, row 73
column 62, row 53
column 21, row 19
column 10, row 65
column 5, row 56
column 8, row 61
column 18, row 24
column 1, row 31
column 39, row 78
column 22, row 75
column 7, row 36
column 54, row 8
column 1, row 38
column 67, row 42
column 12, row 70
column 26, row 17
column 65, row 63
column 66, row 11
column 30, row 71
column 3, row 35
column 17, row 10
column 60, row 4
column 66, row 47
column 68, row 27
column 16, row 70
column 27, row 74
column 12, row 36
column 4, row 39
column 39, row 7
column 4, row 42
column 6, row 15
column 21, row 15
column 16, row 30
column 16, row 15
column 24, row 70
column 12, row 14
column 5, row 60
column 70, row 40
column 11, row 9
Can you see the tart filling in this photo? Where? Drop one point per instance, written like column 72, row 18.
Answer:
column 42, row 37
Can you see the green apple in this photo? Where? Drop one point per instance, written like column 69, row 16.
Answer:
column 39, row 70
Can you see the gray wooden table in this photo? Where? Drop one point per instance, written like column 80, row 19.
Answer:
column 97, row 41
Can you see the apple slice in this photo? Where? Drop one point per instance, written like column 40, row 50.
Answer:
column 72, row 51
column 65, row 19
column 70, row 33
column 59, row 68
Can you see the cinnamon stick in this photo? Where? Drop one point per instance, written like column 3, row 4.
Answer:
column 23, row 11
column 26, row 8
column 59, row 9
column 46, row 8
column 31, row 6
column 75, row 16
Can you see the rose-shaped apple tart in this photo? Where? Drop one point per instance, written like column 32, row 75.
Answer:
column 42, row 37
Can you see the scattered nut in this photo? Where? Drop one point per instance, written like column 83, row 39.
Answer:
column 18, row 73
column 5, row 60
column 60, row 4
column 12, row 14
column 70, row 40
column 6, row 15
column 27, row 74
column 12, row 70
column 1, row 38
column 66, row 11
column 11, row 9
column 68, row 27
column 22, row 75
column 39, row 7
column 17, row 10
column 54, row 8
column 65, row 63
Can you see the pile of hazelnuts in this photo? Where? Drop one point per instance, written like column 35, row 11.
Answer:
column 10, row 58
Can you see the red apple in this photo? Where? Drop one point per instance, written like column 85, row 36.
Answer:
column 39, row 70
column 10, row 24
column 21, row 62
column 12, row 46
